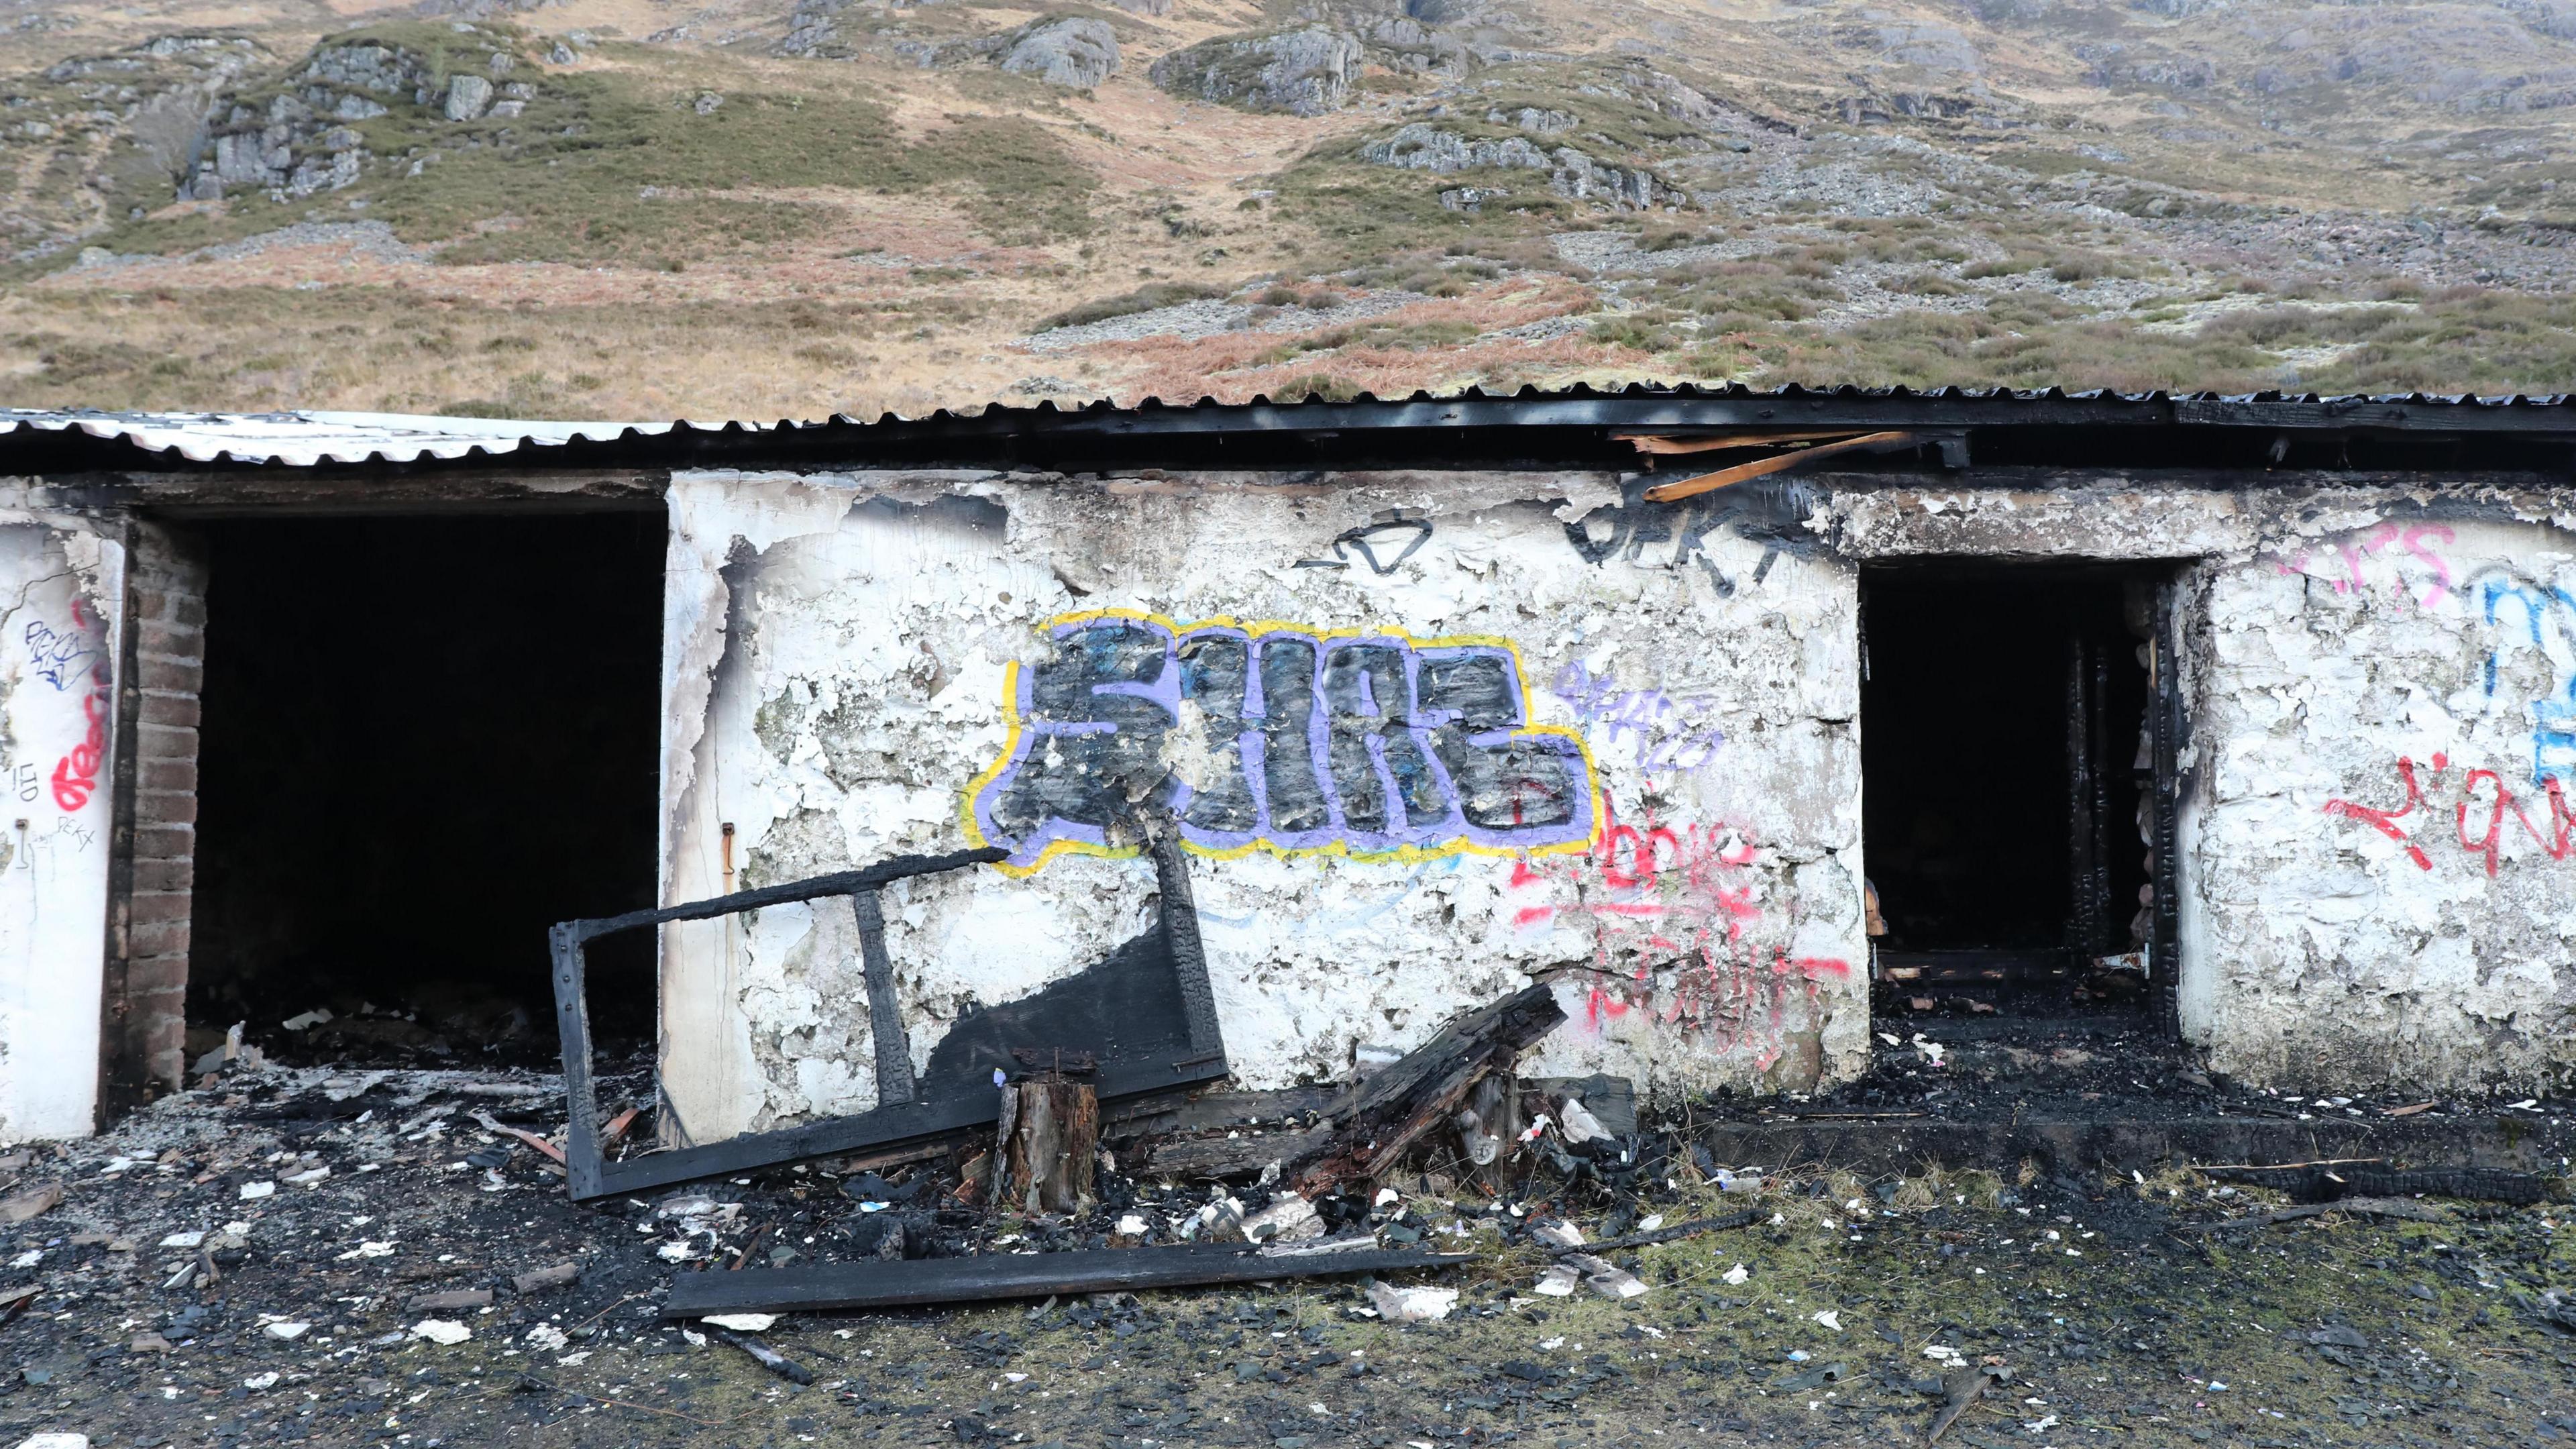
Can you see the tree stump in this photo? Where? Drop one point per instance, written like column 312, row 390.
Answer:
column 1049, row 1145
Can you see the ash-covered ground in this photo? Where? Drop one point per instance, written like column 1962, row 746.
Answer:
column 300, row 1255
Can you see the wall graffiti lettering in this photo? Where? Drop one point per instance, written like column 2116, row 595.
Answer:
column 2409, row 556
column 1680, row 902
column 76, row 774
column 2543, row 617
column 25, row 781
column 56, row 657
column 2480, row 801
column 1266, row 736
column 1671, row 735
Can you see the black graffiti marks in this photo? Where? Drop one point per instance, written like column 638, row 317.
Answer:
column 1769, row 511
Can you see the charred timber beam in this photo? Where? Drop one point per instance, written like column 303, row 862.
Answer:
column 900, row 1283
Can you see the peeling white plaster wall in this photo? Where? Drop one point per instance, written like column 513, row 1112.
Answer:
column 2397, row 947
column 59, row 585
column 837, row 650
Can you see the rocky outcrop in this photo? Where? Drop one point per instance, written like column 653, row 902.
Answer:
column 301, row 139
column 1630, row 188
column 1070, row 50
column 1303, row 72
column 1419, row 147
column 1075, row 51
column 1571, row 173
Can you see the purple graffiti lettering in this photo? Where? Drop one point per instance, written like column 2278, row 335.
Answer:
column 1282, row 740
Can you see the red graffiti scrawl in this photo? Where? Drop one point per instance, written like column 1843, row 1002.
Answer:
column 76, row 774
column 1679, row 900
column 2482, row 794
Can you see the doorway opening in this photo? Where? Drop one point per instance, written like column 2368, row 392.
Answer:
column 423, row 741
column 2009, row 785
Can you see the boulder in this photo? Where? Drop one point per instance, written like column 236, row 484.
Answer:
column 467, row 96
column 1069, row 50
column 1304, row 72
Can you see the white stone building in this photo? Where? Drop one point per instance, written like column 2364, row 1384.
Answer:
column 1438, row 700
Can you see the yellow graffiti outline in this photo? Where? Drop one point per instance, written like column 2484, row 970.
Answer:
column 1404, row 854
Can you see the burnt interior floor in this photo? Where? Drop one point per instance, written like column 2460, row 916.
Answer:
column 424, row 740
column 2003, row 774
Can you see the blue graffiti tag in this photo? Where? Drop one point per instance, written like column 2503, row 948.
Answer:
column 2553, row 714
column 56, row 655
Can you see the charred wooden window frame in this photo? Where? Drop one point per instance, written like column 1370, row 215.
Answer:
column 902, row 1116
column 2167, row 724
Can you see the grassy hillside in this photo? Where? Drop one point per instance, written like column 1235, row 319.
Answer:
column 616, row 208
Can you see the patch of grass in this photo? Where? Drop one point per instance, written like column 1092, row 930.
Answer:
column 1322, row 385
column 618, row 166
column 1150, row 297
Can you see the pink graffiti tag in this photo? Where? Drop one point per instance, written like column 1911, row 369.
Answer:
column 76, row 774
column 2411, row 540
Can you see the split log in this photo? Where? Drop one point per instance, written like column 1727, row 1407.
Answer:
column 1382, row 1118
column 1049, row 1143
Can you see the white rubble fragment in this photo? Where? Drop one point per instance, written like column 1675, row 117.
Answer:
column 444, row 1331
column 545, row 1337
column 1133, row 1226
column 261, row 1381
column 1579, row 1125
column 742, row 1322
column 307, row 1177
column 54, row 1441
column 1412, row 1305
column 1830, row 1319
column 183, row 1240
column 1557, row 1232
column 1386, row 1197
column 307, row 1020
column 1559, row 1281
column 1607, row 1278
column 286, row 1332
column 1736, row 1275
column 1288, row 1219
column 253, row 1191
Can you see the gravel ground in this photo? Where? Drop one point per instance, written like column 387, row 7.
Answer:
column 1853, row 1297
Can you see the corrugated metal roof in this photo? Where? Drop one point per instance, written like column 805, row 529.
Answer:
column 305, row 439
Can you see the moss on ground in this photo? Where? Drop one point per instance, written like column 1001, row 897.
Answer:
column 2111, row 1332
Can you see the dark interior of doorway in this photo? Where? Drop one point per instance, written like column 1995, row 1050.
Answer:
column 2008, row 784
column 424, row 739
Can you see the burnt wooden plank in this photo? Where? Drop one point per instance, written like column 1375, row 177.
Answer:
column 898, row 1125
column 1394, row 1107
column 908, row 1283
